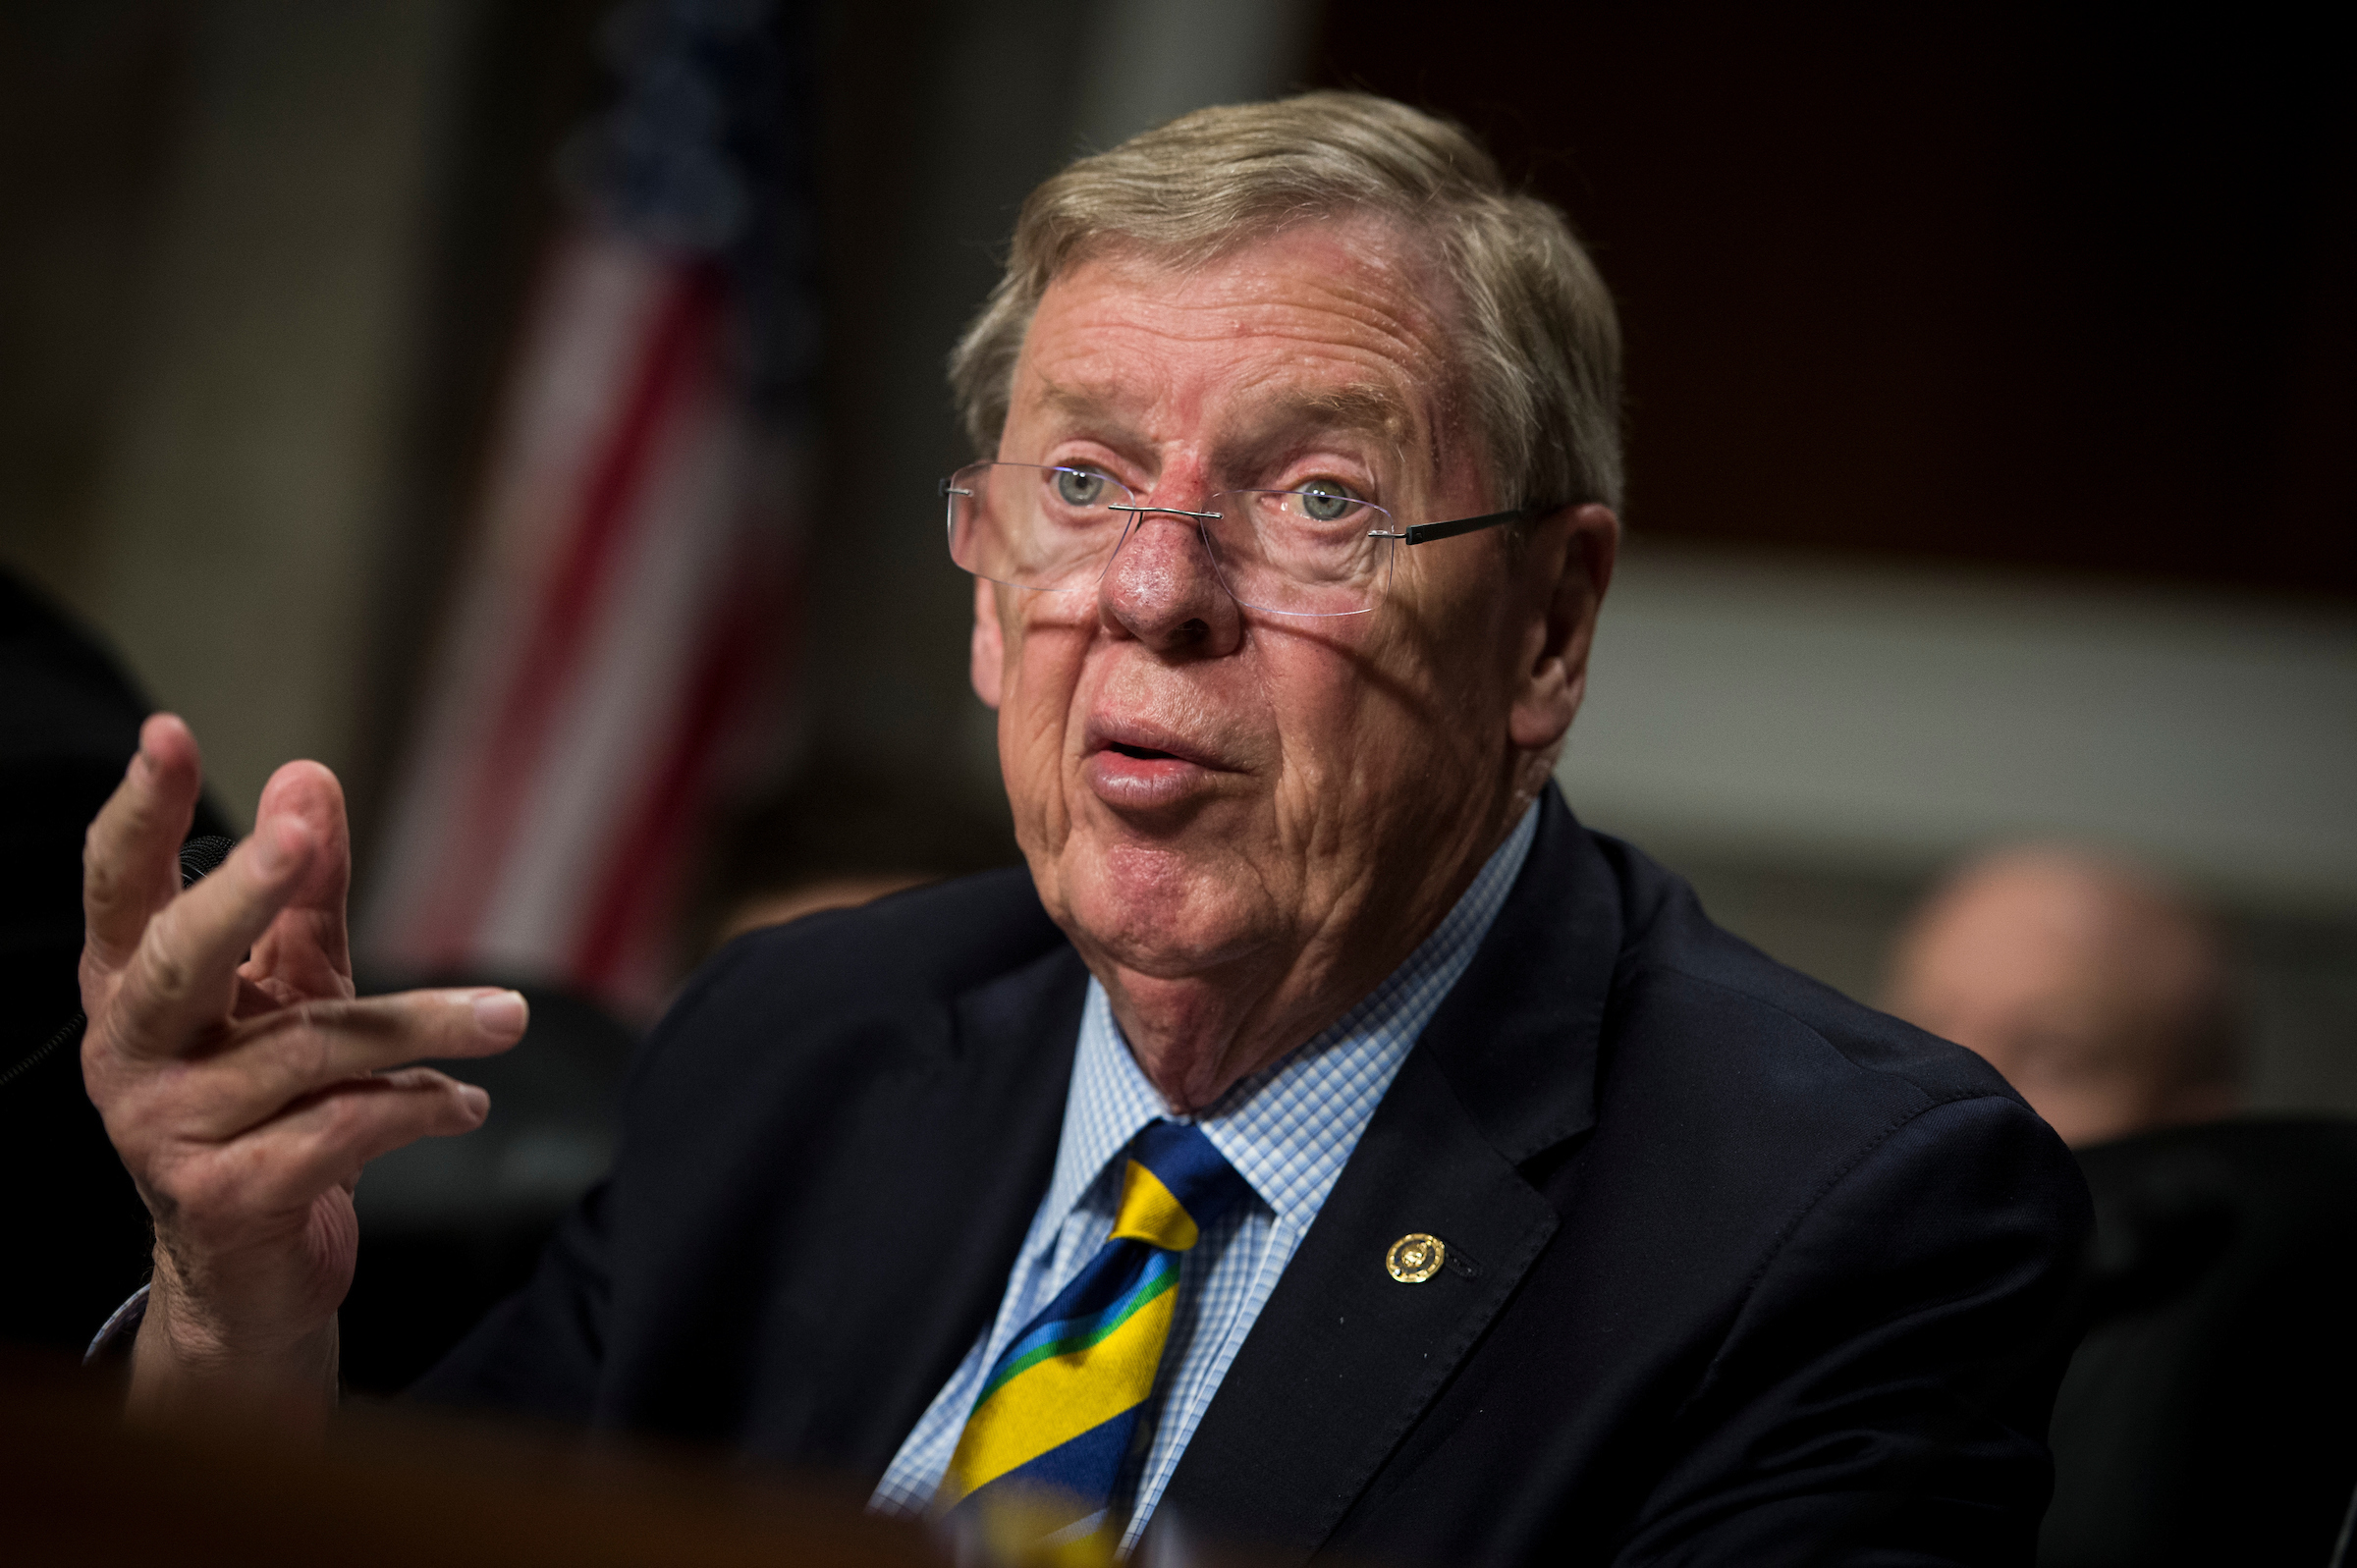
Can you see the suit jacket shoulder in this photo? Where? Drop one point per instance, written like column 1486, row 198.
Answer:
column 926, row 946
column 831, row 1149
column 1673, row 956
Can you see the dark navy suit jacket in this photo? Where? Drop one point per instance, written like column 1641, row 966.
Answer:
column 1756, row 1274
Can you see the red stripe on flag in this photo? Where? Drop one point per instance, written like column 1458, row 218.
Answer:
column 676, row 353
column 642, row 869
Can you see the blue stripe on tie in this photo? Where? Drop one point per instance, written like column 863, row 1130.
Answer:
column 1128, row 1278
column 1183, row 1161
column 1206, row 1186
column 1083, row 1468
column 1099, row 1288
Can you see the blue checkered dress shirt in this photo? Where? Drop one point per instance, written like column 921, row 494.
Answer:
column 1288, row 1130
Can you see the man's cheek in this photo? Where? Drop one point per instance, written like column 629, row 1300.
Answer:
column 1034, row 723
column 1030, row 751
column 1331, row 736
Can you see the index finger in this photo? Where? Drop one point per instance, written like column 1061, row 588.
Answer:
column 180, row 979
column 130, row 856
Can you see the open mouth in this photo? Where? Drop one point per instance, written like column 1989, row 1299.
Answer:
column 1129, row 773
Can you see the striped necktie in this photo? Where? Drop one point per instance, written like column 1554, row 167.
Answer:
column 1035, row 1468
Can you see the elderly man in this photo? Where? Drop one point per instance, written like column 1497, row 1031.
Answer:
column 2200, row 1419
column 1329, row 1144
column 2099, row 993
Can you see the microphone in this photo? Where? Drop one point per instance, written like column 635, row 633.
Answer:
column 198, row 858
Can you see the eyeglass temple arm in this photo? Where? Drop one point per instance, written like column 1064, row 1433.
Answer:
column 1426, row 532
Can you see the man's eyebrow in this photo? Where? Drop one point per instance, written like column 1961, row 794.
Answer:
column 1376, row 410
column 1363, row 407
column 1269, row 425
column 1361, row 410
column 1080, row 404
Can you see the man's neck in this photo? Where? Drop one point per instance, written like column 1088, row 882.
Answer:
column 1197, row 1036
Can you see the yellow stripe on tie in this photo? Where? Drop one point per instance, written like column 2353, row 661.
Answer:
column 1149, row 1212
column 1060, row 1398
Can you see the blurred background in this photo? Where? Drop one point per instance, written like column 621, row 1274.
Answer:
column 533, row 411
column 1991, row 377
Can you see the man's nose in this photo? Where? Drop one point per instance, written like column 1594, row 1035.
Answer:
column 1162, row 589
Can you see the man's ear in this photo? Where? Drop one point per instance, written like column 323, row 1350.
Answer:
column 989, row 656
column 1568, row 564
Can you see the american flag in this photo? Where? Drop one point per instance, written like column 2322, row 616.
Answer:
column 617, row 659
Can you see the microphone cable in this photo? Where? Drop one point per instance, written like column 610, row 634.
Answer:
column 198, row 858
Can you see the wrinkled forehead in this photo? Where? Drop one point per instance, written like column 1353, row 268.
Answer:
column 1257, row 420
column 1346, row 324
column 1383, row 243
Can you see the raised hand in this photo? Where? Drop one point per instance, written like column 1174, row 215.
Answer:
column 243, row 1082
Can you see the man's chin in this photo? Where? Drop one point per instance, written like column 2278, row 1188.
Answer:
column 1154, row 912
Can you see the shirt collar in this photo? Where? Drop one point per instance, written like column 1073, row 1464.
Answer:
column 1290, row 1129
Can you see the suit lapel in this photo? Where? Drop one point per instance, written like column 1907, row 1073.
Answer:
column 1345, row 1358
column 983, row 1127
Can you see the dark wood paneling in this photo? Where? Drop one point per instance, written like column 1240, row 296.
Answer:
column 1986, row 285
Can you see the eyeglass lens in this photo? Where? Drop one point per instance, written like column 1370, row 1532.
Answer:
column 1292, row 551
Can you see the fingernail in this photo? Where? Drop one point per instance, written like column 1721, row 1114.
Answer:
column 500, row 1014
column 474, row 1100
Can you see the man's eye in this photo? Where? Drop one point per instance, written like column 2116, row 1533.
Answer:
column 1324, row 502
column 1079, row 488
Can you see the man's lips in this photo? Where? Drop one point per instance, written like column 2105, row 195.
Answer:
column 1144, row 741
column 1142, row 765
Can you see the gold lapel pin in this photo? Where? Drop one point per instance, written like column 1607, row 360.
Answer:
column 1415, row 1257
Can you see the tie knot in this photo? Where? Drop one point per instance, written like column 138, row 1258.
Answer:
column 1175, row 1184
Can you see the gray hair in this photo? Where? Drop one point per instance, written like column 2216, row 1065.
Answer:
column 1539, row 345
